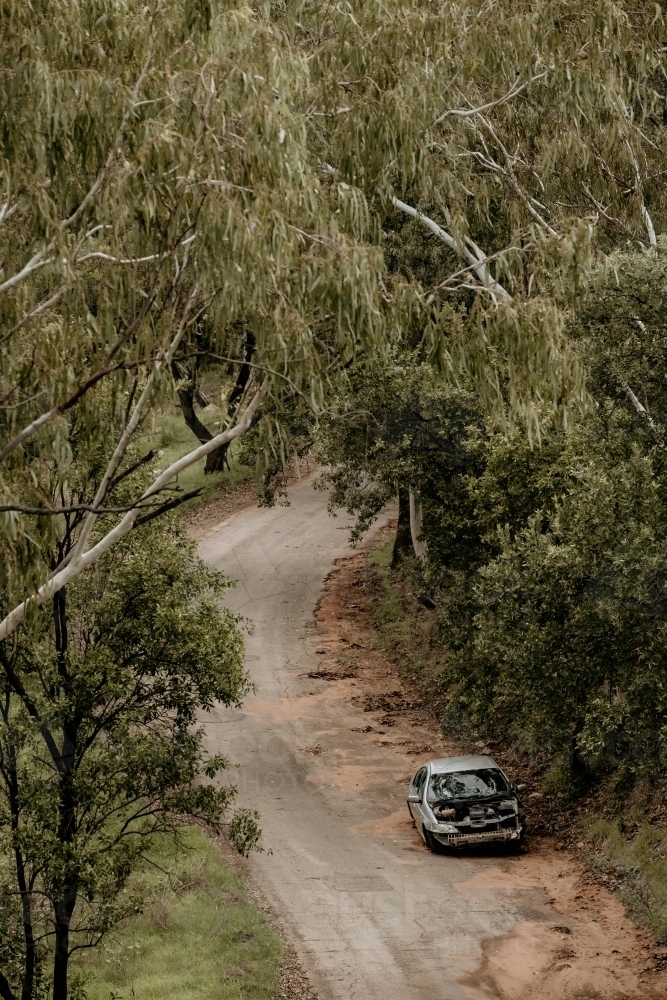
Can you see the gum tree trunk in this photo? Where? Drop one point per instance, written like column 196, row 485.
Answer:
column 416, row 520
column 186, row 398
column 403, row 540
column 216, row 460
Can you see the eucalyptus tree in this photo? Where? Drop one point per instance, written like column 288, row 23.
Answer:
column 527, row 138
column 524, row 142
column 156, row 180
column 178, row 167
column 391, row 428
column 158, row 192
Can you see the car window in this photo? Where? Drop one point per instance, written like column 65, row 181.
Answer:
column 418, row 780
column 467, row 784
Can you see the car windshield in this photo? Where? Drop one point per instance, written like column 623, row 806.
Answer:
column 467, row 784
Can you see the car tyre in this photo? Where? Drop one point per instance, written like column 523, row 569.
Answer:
column 433, row 845
column 516, row 846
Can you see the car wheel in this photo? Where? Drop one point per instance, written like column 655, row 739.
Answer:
column 516, row 846
column 433, row 845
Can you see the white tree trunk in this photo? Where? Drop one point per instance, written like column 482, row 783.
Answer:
column 416, row 526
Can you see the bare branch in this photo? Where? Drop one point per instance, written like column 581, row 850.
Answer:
column 515, row 89
column 100, row 255
column 72, row 509
column 509, row 173
column 34, row 264
column 40, row 258
column 641, row 410
column 6, row 211
column 163, row 360
column 39, row 310
column 638, row 184
column 23, row 402
column 479, row 263
column 66, row 404
column 447, row 282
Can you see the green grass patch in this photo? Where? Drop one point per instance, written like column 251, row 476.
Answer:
column 631, row 854
column 199, row 936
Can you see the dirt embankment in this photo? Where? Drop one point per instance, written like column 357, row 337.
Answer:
column 589, row 949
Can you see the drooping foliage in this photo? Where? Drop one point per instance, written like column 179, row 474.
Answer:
column 177, row 174
column 393, row 218
column 159, row 193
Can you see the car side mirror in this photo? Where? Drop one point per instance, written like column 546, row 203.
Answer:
column 521, row 788
column 414, row 798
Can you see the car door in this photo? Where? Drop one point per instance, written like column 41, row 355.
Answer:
column 417, row 788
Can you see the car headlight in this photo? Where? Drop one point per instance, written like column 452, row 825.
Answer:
column 447, row 828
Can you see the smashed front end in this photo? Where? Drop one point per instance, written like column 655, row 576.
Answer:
column 462, row 822
column 473, row 806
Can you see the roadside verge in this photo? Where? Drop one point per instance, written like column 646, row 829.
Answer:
column 590, row 940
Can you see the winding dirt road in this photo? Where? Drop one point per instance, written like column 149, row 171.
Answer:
column 374, row 916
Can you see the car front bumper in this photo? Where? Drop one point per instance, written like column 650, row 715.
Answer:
column 483, row 836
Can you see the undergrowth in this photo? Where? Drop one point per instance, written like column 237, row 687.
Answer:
column 199, row 936
column 622, row 832
column 631, row 853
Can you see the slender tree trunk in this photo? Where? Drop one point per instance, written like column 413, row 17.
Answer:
column 22, row 882
column 5, row 989
column 28, row 935
column 216, row 460
column 416, row 519
column 10, row 776
column 60, row 624
column 64, row 907
column 186, row 398
column 403, row 540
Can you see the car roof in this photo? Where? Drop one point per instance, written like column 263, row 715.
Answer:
column 443, row 765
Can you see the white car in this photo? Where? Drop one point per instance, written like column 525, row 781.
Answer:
column 457, row 801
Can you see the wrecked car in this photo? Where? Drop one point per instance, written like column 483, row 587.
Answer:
column 460, row 801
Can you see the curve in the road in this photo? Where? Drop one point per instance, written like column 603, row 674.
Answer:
column 374, row 916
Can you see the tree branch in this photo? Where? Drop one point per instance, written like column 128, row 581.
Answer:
column 37, row 311
column 53, row 511
column 169, row 505
column 638, row 183
column 38, row 260
column 32, row 709
column 641, row 410
column 84, row 560
column 163, row 359
column 479, row 264
column 469, row 112
column 5, row 989
column 100, row 255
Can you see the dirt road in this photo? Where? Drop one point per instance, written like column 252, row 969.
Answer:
column 373, row 914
